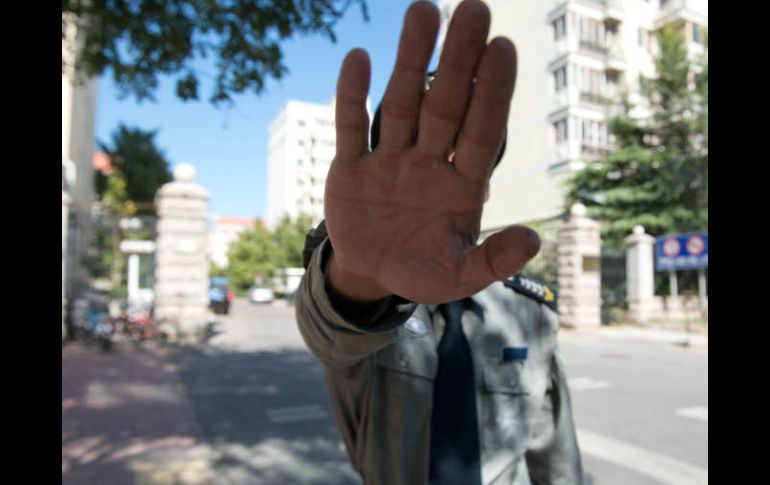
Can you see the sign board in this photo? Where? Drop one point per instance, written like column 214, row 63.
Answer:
column 137, row 247
column 682, row 252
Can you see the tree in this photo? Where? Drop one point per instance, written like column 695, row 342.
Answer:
column 253, row 252
column 259, row 250
column 139, row 169
column 658, row 175
column 142, row 165
column 289, row 239
column 140, row 39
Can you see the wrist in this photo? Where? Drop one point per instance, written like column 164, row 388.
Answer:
column 351, row 286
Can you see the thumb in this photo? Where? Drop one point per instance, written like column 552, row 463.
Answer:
column 500, row 256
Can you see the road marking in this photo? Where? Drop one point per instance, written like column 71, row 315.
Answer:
column 663, row 468
column 697, row 412
column 586, row 383
column 294, row 414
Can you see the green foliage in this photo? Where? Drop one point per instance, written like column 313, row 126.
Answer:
column 215, row 270
column 139, row 40
column 139, row 170
column 545, row 265
column 140, row 164
column 252, row 253
column 289, row 239
column 259, row 250
column 658, row 175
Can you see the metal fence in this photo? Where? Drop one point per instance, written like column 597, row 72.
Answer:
column 613, row 277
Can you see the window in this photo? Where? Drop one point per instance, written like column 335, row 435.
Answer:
column 301, row 122
column 697, row 34
column 591, row 80
column 592, row 31
column 560, row 129
column 587, row 130
column 301, row 143
column 644, row 39
column 560, row 78
column 300, row 162
column 594, row 133
column 559, row 28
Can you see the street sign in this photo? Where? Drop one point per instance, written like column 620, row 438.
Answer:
column 682, row 252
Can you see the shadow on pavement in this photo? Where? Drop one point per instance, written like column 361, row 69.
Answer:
column 266, row 414
column 125, row 420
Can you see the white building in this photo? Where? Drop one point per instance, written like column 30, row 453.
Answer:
column 300, row 150
column 225, row 230
column 574, row 56
column 78, row 106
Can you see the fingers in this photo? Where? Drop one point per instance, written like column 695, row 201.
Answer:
column 500, row 256
column 401, row 103
column 444, row 106
column 351, row 117
column 484, row 127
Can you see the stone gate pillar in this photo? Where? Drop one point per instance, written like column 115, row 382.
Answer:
column 181, row 261
column 579, row 273
column 640, row 274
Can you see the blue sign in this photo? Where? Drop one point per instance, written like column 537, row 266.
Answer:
column 682, row 252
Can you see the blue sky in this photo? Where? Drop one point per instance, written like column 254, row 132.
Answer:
column 228, row 147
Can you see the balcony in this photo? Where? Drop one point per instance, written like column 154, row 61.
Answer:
column 594, row 152
column 693, row 10
column 613, row 11
column 593, row 47
column 616, row 59
column 595, row 98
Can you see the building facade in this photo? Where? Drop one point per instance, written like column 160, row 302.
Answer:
column 575, row 59
column 78, row 115
column 301, row 147
column 225, row 230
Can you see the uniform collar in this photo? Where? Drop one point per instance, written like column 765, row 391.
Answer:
column 474, row 300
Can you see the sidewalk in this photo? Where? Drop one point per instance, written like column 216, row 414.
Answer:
column 126, row 420
column 673, row 334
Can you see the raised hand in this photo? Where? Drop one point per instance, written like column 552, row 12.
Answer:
column 403, row 219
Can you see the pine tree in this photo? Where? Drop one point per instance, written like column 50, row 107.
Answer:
column 658, row 174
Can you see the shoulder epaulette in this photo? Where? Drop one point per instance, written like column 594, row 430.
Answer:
column 532, row 288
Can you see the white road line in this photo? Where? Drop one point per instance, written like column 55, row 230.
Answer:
column 586, row 383
column 293, row 414
column 696, row 412
column 660, row 467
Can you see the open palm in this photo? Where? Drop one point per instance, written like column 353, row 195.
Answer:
column 404, row 217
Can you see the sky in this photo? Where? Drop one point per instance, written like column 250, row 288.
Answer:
column 228, row 147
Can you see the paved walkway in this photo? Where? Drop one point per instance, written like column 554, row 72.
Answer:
column 126, row 420
column 696, row 337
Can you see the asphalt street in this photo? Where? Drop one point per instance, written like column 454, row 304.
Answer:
column 641, row 405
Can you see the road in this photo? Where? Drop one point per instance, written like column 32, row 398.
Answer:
column 641, row 406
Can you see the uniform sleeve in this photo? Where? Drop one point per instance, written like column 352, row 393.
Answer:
column 340, row 334
column 553, row 457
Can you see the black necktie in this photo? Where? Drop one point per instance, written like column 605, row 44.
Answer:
column 454, row 453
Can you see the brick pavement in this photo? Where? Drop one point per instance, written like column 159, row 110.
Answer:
column 126, row 420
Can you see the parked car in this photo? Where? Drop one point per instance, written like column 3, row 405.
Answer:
column 220, row 295
column 261, row 294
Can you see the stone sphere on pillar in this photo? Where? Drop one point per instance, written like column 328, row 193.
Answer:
column 578, row 210
column 184, row 172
